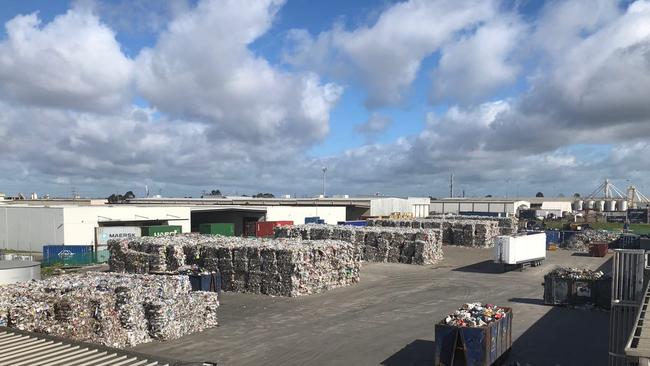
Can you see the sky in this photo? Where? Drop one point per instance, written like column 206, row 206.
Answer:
column 512, row 97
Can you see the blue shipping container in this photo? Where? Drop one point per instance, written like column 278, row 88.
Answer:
column 52, row 252
column 354, row 223
column 312, row 220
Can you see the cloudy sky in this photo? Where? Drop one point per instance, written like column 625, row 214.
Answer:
column 513, row 96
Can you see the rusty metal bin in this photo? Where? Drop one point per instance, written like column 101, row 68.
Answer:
column 473, row 346
column 598, row 249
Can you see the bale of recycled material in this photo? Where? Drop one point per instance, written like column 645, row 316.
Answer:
column 115, row 310
column 467, row 231
column 376, row 244
column 278, row 267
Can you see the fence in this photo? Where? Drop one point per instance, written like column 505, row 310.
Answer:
column 628, row 273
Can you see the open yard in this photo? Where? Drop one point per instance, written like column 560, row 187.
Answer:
column 388, row 318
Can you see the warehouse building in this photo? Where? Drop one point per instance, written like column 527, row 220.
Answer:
column 478, row 206
column 498, row 206
column 355, row 207
column 30, row 227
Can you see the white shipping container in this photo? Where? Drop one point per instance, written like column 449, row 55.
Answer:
column 520, row 249
column 106, row 233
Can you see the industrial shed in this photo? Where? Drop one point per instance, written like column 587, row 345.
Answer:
column 486, row 206
column 29, row 227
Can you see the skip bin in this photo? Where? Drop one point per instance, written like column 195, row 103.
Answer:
column 576, row 292
column 159, row 230
column 598, row 249
column 224, row 229
column 556, row 290
column 473, row 346
column 210, row 281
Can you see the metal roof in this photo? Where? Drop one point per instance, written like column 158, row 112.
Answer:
column 250, row 201
column 25, row 348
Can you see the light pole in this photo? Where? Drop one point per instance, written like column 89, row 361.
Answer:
column 324, row 169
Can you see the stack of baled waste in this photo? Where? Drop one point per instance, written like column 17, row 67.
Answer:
column 375, row 244
column 289, row 267
column 507, row 225
column 467, row 233
column 115, row 310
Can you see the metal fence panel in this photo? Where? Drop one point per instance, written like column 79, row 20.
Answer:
column 627, row 293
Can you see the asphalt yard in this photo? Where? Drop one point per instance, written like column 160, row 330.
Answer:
column 388, row 318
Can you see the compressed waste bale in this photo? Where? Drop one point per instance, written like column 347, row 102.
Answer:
column 378, row 243
column 469, row 231
column 278, row 267
column 111, row 309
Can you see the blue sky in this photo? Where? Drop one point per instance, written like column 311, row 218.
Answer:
column 255, row 96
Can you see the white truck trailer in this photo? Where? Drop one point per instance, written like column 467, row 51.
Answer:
column 519, row 251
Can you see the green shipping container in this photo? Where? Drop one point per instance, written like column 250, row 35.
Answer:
column 161, row 230
column 217, row 229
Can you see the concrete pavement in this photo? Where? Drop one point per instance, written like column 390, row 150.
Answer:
column 388, row 318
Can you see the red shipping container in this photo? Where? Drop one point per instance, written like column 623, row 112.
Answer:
column 265, row 228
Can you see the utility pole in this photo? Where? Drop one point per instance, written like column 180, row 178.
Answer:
column 451, row 185
column 324, row 169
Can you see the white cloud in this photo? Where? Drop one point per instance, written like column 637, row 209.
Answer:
column 375, row 125
column 223, row 116
column 562, row 24
column 202, row 68
column 475, row 66
column 72, row 62
column 385, row 57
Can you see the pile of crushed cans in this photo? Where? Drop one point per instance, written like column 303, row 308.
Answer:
column 475, row 315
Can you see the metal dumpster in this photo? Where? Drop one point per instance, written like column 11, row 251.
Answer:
column 576, row 292
column 598, row 249
column 473, row 346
